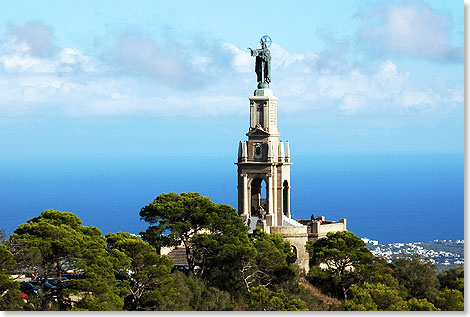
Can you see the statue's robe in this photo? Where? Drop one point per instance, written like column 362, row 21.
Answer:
column 263, row 65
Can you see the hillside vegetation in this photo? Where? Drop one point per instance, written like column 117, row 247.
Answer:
column 54, row 262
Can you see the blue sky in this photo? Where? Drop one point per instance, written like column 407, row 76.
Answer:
column 117, row 79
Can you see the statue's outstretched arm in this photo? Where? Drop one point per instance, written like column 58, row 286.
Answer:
column 253, row 51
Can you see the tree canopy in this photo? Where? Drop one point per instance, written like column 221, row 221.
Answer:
column 452, row 279
column 56, row 242
column 341, row 253
column 450, row 300
column 263, row 299
column 418, row 277
column 224, row 250
column 10, row 297
column 143, row 273
column 175, row 218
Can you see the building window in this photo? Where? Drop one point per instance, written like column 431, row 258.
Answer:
column 258, row 151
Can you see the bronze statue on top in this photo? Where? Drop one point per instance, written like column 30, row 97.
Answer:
column 263, row 62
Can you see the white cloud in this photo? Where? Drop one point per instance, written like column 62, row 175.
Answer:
column 386, row 90
column 281, row 58
column 72, row 58
column 30, row 49
column 142, row 55
column 427, row 98
column 71, row 83
column 174, row 63
column 242, row 61
column 68, row 60
column 106, row 96
column 37, row 36
column 409, row 29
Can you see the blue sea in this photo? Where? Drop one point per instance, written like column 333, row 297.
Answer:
column 386, row 197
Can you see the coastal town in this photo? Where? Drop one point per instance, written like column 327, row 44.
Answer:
column 444, row 253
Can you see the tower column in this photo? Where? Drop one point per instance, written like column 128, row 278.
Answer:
column 245, row 194
column 275, row 193
column 288, row 201
column 270, row 194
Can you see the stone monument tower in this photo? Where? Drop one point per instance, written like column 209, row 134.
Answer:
column 264, row 170
column 263, row 160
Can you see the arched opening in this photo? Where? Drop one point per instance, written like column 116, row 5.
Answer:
column 294, row 250
column 285, row 198
column 260, row 114
column 259, row 203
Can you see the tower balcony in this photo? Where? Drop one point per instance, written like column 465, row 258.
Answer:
column 320, row 228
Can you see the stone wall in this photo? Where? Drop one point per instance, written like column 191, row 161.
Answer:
column 318, row 230
column 297, row 237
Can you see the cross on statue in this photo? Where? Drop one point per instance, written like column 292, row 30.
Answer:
column 263, row 62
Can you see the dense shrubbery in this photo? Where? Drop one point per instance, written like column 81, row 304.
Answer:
column 75, row 267
column 367, row 283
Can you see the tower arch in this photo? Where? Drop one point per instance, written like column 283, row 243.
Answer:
column 286, row 198
column 258, row 197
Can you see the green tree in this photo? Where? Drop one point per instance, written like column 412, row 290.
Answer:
column 224, row 253
column 98, row 289
column 361, row 300
column 376, row 297
column 7, row 263
column 262, row 299
column 418, row 277
column 143, row 273
column 328, row 283
column 420, row 305
column 342, row 253
column 194, row 294
column 450, row 300
column 220, row 250
column 377, row 271
column 10, row 297
column 275, row 259
column 215, row 237
column 55, row 242
column 452, row 279
column 234, row 262
column 175, row 218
